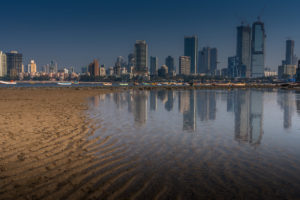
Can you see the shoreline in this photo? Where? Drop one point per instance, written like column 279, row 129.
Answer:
column 146, row 87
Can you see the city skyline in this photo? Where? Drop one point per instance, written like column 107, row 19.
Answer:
column 68, row 33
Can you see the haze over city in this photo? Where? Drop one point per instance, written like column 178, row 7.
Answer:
column 74, row 32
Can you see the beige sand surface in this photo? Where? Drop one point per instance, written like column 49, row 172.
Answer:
column 43, row 142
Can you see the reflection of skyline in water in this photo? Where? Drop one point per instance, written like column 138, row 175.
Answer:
column 286, row 102
column 186, row 105
column 297, row 96
column 193, row 105
column 247, row 106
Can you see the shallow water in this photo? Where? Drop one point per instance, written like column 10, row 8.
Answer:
column 197, row 144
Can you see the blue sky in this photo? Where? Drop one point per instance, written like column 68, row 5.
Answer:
column 75, row 32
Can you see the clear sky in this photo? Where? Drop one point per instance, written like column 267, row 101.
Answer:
column 75, row 32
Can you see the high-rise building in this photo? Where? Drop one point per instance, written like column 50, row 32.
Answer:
column 131, row 62
column 93, row 68
column 191, row 50
column 153, row 65
column 119, row 65
column 289, row 52
column 141, row 57
column 31, row 67
column 243, row 50
column 207, row 61
column 53, row 68
column 3, row 64
column 258, row 50
column 14, row 63
column 213, row 60
column 204, row 61
column 184, row 65
column 232, row 68
column 170, row 64
column 298, row 72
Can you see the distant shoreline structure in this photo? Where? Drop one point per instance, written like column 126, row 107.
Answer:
column 96, row 85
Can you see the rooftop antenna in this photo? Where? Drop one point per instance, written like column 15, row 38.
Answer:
column 261, row 13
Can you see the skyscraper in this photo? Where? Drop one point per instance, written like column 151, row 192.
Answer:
column 289, row 53
column 14, row 63
column 298, row 72
column 184, row 65
column 3, row 66
column 191, row 50
column 153, row 65
column 213, row 61
column 170, row 64
column 243, row 50
column 232, row 67
column 258, row 50
column 141, row 57
column 204, row 60
column 93, row 68
column 131, row 62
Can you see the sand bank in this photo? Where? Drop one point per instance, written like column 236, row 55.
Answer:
column 43, row 141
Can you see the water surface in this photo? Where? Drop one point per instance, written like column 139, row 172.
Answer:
column 197, row 144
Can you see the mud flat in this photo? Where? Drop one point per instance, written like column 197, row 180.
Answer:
column 43, row 146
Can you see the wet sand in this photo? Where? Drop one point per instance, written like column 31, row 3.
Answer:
column 46, row 152
column 44, row 145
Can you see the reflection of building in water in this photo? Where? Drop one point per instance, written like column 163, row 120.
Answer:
column 286, row 102
column 186, row 104
column 120, row 99
column 256, row 117
column 170, row 102
column 242, row 115
column 95, row 101
column 102, row 97
column 129, row 97
column 153, row 100
column 206, row 105
column 230, row 101
column 298, row 101
column 183, row 101
column 140, row 107
column 248, row 111
column 162, row 95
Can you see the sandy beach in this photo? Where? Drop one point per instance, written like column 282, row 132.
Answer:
column 43, row 145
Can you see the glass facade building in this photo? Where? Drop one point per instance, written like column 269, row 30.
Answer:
column 191, row 50
column 258, row 50
column 153, row 65
column 170, row 64
column 141, row 56
column 289, row 53
column 14, row 63
column 243, row 50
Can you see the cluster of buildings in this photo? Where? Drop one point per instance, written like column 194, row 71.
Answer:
column 193, row 62
column 10, row 64
column 12, row 67
column 249, row 61
column 289, row 67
